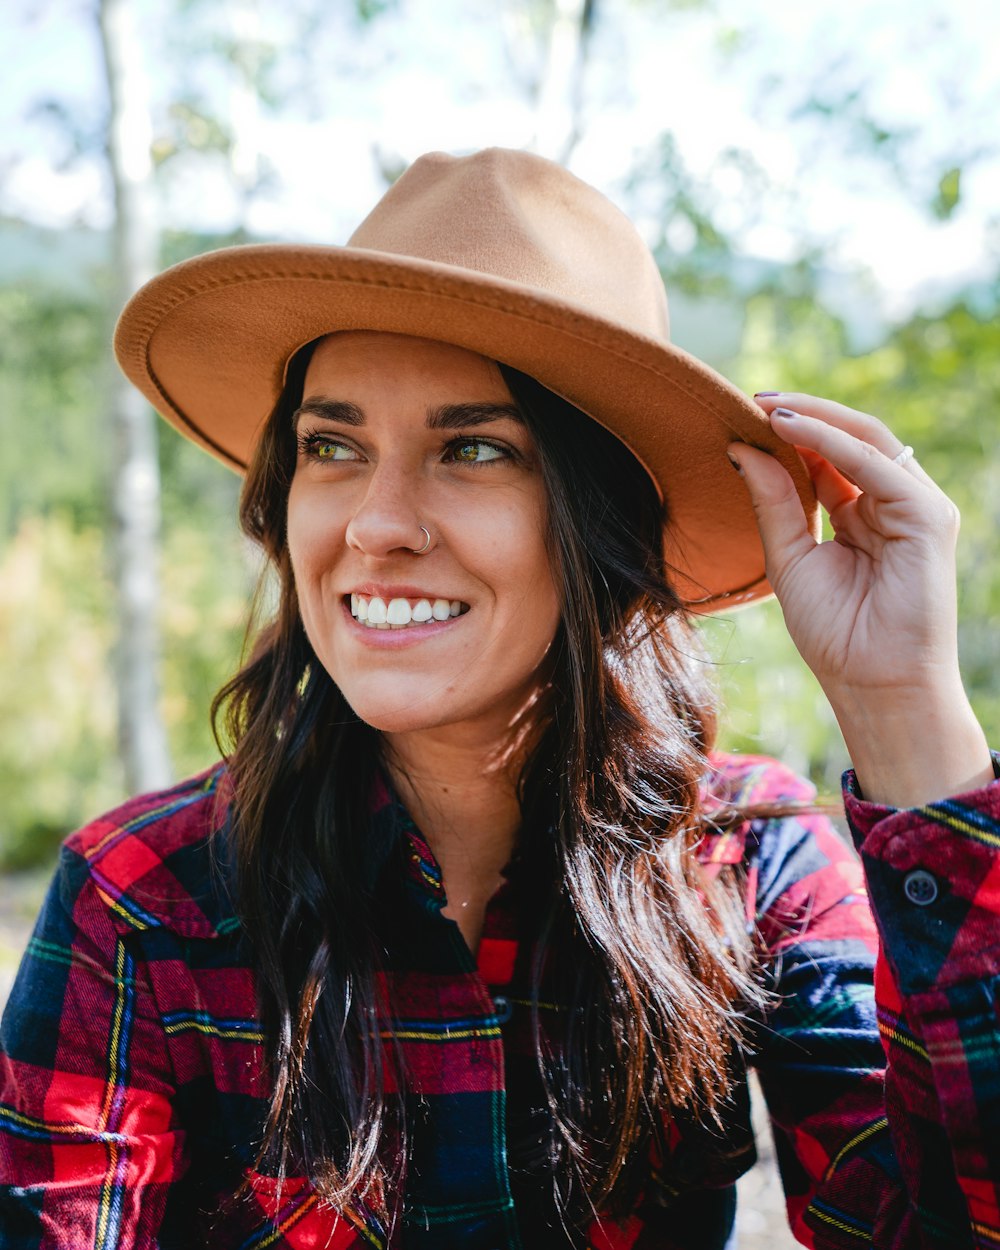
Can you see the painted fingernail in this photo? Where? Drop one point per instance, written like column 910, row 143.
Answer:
column 765, row 394
column 783, row 412
column 735, row 463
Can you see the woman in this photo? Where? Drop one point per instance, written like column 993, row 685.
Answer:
column 471, row 940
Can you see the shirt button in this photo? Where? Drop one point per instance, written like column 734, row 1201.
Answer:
column 502, row 1008
column 920, row 887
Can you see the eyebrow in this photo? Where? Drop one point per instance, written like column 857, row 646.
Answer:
column 442, row 417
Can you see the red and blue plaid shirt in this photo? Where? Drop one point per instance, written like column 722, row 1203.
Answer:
column 134, row 1087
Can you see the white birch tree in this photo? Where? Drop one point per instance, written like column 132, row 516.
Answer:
column 134, row 467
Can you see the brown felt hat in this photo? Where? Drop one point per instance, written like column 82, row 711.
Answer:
column 510, row 256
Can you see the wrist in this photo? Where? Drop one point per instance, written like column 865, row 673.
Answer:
column 910, row 750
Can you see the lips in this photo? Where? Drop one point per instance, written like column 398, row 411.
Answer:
column 376, row 612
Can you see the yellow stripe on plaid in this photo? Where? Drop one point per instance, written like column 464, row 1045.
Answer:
column 877, row 1126
column 962, row 826
column 132, row 921
column 457, row 1035
column 49, row 1126
column 108, row 1186
column 895, row 1036
column 214, row 1030
column 852, row 1230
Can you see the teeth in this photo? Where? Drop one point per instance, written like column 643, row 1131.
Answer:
column 399, row 613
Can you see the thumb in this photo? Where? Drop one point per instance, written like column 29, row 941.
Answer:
column 781, row 520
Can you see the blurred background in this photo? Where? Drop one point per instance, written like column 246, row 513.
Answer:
column 820, row 184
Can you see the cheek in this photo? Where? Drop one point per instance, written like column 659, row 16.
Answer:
column 313, row 542
column 532, row 580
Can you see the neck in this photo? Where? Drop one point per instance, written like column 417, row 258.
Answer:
column 461, row 794
column 461, row 791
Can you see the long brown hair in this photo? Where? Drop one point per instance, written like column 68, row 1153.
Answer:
column 651, row 961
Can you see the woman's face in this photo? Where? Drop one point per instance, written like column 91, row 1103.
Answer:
column 395, row 433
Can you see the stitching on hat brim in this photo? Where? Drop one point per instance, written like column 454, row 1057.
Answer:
column 478, row 283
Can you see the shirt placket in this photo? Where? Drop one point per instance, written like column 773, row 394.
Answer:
column 447, row 1027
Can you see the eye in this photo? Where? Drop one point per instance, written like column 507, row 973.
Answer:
column 475, row 451
column 316, row 446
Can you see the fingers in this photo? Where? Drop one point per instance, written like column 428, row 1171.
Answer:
column 781, row 520
column 850, row 458
column 866, row 464
column 860, row 425
column 833, row 489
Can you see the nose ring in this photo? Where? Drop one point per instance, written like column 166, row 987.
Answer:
column 419, row 551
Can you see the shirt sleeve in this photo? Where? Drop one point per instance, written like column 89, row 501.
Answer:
column 933, row 874
column 881, row 1059
column 88, row 1143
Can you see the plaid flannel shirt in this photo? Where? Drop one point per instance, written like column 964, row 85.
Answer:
column 134, row 1088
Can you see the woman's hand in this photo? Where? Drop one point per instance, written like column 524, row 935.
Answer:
column 873, row 611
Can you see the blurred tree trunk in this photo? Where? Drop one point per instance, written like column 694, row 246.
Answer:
column 246, row 54
column 135, row 475
column 559, row 106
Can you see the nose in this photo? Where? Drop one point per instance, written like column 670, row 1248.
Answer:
column 387, row 518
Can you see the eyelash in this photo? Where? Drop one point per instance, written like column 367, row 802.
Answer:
column 310, row 441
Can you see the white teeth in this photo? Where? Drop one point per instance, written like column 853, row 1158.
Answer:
column 398, row 612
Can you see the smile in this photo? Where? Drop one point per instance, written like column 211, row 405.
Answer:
column 376, row 613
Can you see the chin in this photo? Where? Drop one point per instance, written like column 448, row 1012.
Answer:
column 398, row 715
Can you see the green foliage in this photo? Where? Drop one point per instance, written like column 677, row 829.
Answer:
column 208, row 574
column 57, row 748
column 949, row 192
column 369, row 10
column 58, row 760
column 51, row 429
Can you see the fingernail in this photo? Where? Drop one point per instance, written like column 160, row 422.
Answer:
column 735, row 463
column 783, row 412
column 765, row 394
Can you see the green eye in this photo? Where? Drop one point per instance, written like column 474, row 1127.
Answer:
column 474, row 451
column 314, row 445
column 334, row 451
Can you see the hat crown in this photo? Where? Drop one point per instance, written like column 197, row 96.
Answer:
column 515, row 216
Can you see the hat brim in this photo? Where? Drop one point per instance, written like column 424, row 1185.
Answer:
column 207, row 343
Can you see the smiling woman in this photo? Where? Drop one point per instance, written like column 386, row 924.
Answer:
column 472, row 936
